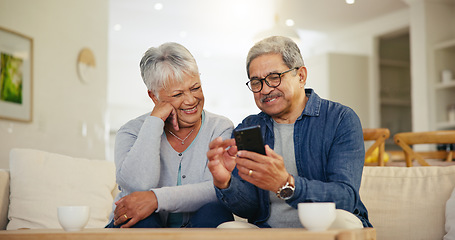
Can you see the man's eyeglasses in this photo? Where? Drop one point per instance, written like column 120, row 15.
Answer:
column 272, row 80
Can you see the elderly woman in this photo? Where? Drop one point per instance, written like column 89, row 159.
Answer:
column 161, row 156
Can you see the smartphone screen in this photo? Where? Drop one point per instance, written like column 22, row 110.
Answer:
column 250, row 139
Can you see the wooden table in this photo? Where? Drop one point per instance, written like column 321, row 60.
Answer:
column 190, row 234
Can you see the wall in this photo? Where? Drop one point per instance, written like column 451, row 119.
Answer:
column 361, row 40
column 350, row 72
column 336, row 75
column 63, row 106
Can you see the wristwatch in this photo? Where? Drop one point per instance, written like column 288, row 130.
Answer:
column 287, row 190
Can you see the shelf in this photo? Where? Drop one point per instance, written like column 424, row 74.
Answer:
column 444, row 92
column 445, row 125
column 396, row 102
column 446, row 44
column 394, row 63
column 445, row 85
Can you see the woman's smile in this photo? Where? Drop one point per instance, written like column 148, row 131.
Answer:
column 190, row 110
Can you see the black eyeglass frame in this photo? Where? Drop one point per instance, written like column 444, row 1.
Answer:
column 262, row 80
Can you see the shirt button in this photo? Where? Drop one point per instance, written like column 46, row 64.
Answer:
column 184, row 176
column 180, row 154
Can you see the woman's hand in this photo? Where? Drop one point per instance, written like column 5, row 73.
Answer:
column 166, row 112
column 134, row 207
column 221, row 157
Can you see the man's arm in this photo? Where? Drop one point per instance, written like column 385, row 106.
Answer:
column 343, row 168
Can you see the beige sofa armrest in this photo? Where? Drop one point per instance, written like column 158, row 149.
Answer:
column 4, row 198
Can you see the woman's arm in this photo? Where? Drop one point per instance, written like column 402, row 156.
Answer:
column 185, row 198
column 137, row 154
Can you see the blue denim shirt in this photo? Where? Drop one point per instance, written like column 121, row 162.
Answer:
column 329, row 152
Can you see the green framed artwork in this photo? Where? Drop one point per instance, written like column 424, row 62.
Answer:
column 16, row 64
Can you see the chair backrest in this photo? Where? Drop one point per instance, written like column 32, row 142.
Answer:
column 379, row 135
column 406, row 139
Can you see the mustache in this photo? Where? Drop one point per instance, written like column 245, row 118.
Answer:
column 271, row 95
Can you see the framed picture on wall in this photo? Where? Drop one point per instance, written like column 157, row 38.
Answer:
column 16, row 78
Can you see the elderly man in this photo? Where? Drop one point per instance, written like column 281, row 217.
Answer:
column 314, row 147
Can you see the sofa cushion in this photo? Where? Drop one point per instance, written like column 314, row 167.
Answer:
column 450, row 218
column 42, row 181
column 407, row 203
column 4, row 197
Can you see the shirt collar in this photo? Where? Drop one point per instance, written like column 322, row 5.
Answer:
column 313, row 106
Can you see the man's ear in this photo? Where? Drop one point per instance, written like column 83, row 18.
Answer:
column 152, row 96
column 302, row 72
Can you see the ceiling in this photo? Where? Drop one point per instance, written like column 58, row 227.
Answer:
column 330, row 15
column 318, row 15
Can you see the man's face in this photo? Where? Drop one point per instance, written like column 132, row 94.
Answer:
column 282, row 101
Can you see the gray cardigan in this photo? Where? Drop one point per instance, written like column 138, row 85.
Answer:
column 146, row 161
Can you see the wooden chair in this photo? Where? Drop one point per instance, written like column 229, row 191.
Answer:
column 406, row 139
column 379, row 135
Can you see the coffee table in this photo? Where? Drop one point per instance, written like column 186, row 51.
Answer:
column 189, row 234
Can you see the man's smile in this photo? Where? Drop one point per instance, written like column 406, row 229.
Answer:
column 271, row 97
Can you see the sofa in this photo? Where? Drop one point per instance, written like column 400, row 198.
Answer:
column 409, row 202
column 37, row 182
column 403, row 203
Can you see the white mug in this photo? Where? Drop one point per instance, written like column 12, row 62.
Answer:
column 73, row 218
column 317, row 216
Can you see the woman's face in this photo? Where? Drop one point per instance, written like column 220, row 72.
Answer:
column 187, row 98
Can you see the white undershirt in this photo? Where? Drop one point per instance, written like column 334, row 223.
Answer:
column 282, row 214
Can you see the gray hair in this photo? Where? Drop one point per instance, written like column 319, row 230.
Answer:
column 168, row 62
column 276, row 44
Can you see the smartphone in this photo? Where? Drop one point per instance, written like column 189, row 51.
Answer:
column 250, row 139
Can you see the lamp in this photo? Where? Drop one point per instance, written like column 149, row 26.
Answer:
column 278, row 30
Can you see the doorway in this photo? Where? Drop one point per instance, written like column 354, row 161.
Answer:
column 395, row 85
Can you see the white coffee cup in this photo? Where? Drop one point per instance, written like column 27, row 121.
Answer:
column 73, row 218
column 317, row 216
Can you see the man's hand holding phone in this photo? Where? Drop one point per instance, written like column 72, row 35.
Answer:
column 222, row 154
column 259, row 164
column 266, row 169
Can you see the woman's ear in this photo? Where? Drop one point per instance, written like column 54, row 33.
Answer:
column 152, row 96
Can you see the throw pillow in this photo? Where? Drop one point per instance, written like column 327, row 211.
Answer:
column 42, row 181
